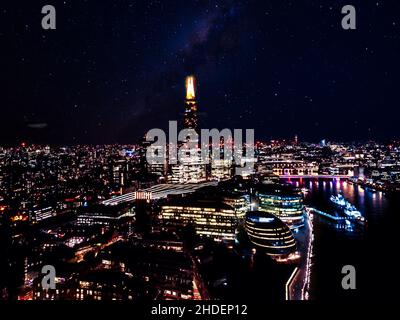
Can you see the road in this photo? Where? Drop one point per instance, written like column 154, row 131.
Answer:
column 297, row 286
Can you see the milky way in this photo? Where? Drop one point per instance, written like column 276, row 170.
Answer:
column 114, row 69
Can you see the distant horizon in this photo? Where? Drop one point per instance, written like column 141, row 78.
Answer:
column 290, row 139
column 277, row 67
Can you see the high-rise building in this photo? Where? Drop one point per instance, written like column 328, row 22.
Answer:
column 221, row 168
column 190, row 119
column 190, row 168
column 157, row 169
column 282, row 201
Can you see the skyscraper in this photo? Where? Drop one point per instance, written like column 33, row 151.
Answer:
column 190, row 118
column 191, row 168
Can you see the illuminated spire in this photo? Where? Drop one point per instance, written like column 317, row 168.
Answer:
column 190, row 120
column 190, row 94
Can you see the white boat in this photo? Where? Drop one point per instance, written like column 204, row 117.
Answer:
column 339, row 200
column 352, row 211
column 346, row 206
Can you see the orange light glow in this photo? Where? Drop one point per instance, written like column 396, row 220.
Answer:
column 19, row 217
column 190, row 93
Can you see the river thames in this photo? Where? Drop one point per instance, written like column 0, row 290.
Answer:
column 367, row 249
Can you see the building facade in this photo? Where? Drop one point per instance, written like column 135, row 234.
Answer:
column 283, row 202
column 269, row 233
column 217, row 221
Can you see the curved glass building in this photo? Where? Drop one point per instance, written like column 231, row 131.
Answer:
column 269, row 233
column 282, row 201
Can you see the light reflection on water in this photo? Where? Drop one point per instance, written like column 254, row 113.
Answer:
column 335, row 247
column 371, row 204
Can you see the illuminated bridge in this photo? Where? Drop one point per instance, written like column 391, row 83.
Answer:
column 159, row 191
column 319, row 176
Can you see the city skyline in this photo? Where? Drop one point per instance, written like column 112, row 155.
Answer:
column 208, row 151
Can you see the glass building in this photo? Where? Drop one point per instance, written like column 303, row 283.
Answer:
column 282, row 201
column 269, row 233
column 215, row 220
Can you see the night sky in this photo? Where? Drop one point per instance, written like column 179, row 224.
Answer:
column 114, row 69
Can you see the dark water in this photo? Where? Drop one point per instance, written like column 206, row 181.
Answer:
column 370, row 250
